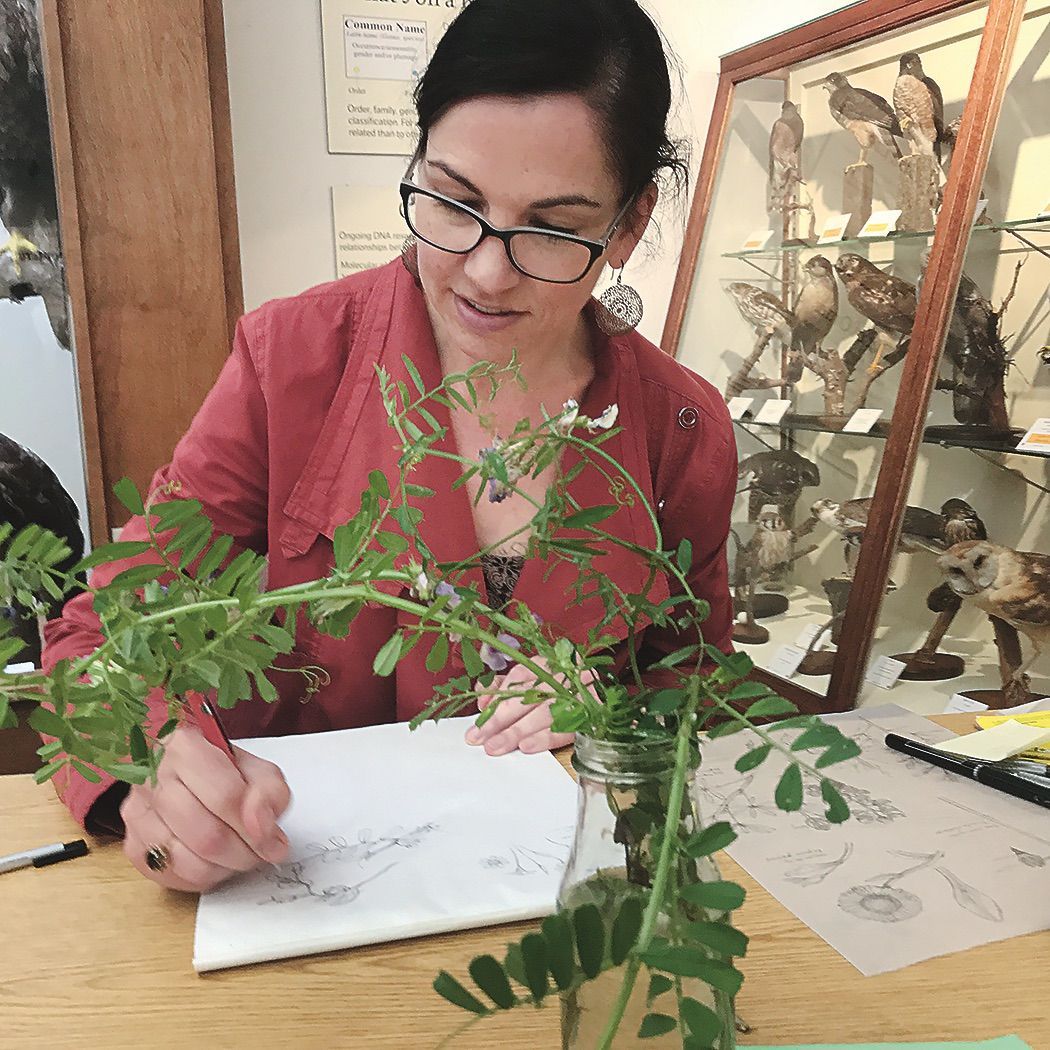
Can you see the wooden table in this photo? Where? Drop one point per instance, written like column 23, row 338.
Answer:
column 93, row 955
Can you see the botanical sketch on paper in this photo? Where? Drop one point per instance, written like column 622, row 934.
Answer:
column 530, row 860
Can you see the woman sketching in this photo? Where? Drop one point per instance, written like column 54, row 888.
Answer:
column 542, row 140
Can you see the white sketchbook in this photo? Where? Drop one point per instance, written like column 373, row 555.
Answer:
column 928, row 863
column 394, row 834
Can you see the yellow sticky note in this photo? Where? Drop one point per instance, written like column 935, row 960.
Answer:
column 1010, row 737
column 1029, row 718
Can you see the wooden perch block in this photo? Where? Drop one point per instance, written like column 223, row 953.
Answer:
column 918, row 192
column 858, row 185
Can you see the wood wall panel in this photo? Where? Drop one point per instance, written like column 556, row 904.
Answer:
column 147, row 185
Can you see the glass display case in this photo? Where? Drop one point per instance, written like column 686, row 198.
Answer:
column 864, row 280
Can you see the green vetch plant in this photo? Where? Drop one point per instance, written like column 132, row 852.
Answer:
column 187, row 613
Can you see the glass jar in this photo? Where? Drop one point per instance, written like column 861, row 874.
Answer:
column 623, row 792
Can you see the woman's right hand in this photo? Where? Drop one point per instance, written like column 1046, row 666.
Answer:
column 209, row 817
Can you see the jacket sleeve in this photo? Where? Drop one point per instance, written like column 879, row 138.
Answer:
column 694, row 484
column 220, row 461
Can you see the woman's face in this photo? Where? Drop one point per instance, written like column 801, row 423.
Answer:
column 539, row 162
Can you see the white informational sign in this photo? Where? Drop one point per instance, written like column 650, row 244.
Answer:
column 757, row 241
column 1044, row 212
column 738, row 406
column 834, row 228
column 773, row 411
column 979, row 210
column 961, row 704
column 1037, row 439
column 862, row 421
column 885, row 672
column 374, row 54
column 786, row 661
column 368, row 227
column 881, row 223
column 814, row 637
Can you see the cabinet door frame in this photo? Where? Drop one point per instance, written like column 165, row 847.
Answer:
column 144, row 170
column 855, row 24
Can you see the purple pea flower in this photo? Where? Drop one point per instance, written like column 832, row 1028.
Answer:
column 494, row 659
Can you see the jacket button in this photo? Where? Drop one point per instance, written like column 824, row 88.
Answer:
column 687, row 418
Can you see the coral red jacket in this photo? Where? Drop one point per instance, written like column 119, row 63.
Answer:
column 281, row 449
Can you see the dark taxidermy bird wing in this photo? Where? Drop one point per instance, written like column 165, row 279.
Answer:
column 27, row 179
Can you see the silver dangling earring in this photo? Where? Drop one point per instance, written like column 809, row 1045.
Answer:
column 409, row 256
column 621, row 308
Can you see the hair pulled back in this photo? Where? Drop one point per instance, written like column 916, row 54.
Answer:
column 607, row 51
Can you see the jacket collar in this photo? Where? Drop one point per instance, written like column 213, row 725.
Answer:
column 356, row 439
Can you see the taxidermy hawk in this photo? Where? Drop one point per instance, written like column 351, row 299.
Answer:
column 778, row 477
column 868, row 117
column 785, row 155
column 31, row 494
column 960, row 522
column 888, row 302
column 921, row 529
column 30, row 260
column 920, row 107
column 817, row 307
column 762, row 310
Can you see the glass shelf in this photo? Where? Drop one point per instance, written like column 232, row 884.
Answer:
column 1036, row 224
column 945, row 436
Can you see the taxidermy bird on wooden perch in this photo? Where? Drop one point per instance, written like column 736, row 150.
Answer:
column 30, row 260
column 31, row 494
column 868, row 117
column 785, row 155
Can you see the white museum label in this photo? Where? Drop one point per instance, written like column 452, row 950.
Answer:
column 773, row 411
column 738, row 406
column 885, row 672
column 881, row 223
column 813, row 638
column 834, row 228
column 1037, row 439
column 862, row 421
column 979, row 210
column 757, row 241
column 22, row 668
column 959, row 703
column 1045, row 211
column 786, row 661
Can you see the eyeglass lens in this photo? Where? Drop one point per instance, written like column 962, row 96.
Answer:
column 543, row 256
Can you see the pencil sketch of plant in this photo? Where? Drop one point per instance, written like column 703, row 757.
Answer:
column 299, row 887
column 864, row 808
column 812, row 872
column 367, row 846
column 971, row 898
column 880, row 901
column 993, row 821
column 734, row 803
column 1032, row 860
column 528, row 860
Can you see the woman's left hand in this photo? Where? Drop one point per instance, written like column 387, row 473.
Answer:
column 515, row 725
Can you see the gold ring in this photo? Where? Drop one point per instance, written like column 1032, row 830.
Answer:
column 157, row 857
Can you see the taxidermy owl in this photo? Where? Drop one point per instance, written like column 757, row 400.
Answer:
column 785, row 146
column 1011, row 585
column 920, row 107
column 868, row 117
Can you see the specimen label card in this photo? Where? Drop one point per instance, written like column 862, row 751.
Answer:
column 786, row 660
column 1037, row 439
column 738, row 406
column 834, row 228
column 928, row 863
column 814, row 637
column 773, row 411
column 959, row 704
column 757, row 241
column 390, row 838
column 367, row 225
column 862, row 421
column 885, row 672
column 372, row 61
column 880, row 224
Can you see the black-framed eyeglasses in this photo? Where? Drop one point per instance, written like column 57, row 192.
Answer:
column 544, row 255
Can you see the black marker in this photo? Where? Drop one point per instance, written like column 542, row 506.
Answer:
column 44, row 855
column 992, row 774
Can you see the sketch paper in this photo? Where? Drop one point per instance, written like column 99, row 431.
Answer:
column 394, row 834
column 929, row 863
column 1006, row 1042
